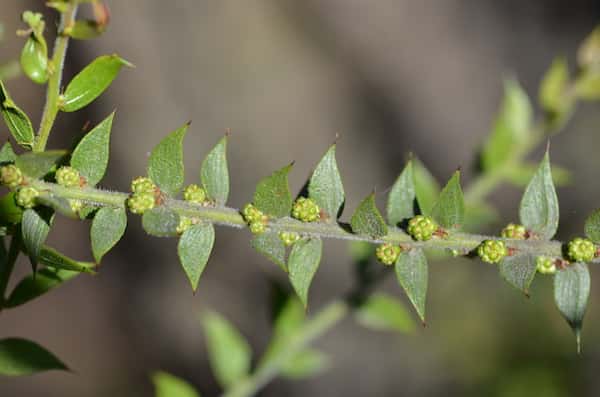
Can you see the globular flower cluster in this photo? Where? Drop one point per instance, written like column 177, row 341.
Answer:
column 581, row 250
column 306, row 210
column 256, row 219
column 184, row 224
column 514, row 231
column 26, row 197
column 143, row 196
column 67, row 177
column 194, row 194
column 11, row 176
column 492, row 251
column 422, row 227
column 545, row 265
column 289, row 238
column 388, row 253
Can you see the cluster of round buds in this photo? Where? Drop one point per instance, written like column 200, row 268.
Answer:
column 289, row 238
column 26, row 197
column 514, row 231
column 256, row 219
column 422, row 227
column 67, row 177
column 545, row 265
column 581, row 250
column 184, row 224
column 388, row 253
column 143, row 197
column 11, row 176
column 194, row 194
column 76, row 205
column 306, row 210
column 492, row 251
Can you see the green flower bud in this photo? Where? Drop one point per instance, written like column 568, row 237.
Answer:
column 388, row 253
column 306, row 210
column 142, row 184
column 492, row 251
column 257, row 227
column 184, row 224
column 76, row 205
column 514, row 231
column 422, row 227
column 581, row 250
column 26, row 197
column 11, row 176
column 139, row 203
column 194, row 194
column 289, row 238
column 251, row 213
column 545, row 265
column 67, row 177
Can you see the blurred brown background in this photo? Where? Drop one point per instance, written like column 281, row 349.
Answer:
column 286, row 76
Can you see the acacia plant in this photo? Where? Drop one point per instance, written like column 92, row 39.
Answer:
column 421, row 218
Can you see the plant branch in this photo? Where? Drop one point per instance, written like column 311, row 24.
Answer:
column 463, row 242
column 314, row 328
column 51, row 107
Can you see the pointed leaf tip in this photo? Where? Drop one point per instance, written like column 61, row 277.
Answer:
column 367, row 219
column 412, row 274
column 325, row 185
column 401, row 200
column 165, row 165
column 449, row 210
column 272, row 195
column 194, row 249
column 214, row 173
column 303, row 263
column 90, row 157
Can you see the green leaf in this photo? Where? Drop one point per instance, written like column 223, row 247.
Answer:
column 401, row 200
column 449, row 210
column 511, row 128
column 85, row 29
column 10, row 212
column 325, row 186
column 519, row 271
column 305, row 364
column 228, row 351
column 7, row 154
column 20, row 357
column 303, row 264
column 17, row 121
column 34, row 286
column 427, row 188
column 272, row 195
column 107, row 229
column 271, row 246
column 384, row 312
column 167, row 385
column 521, row 174
column 588, row 55
column 88, row 84
column 35, row 227
column 571, row 292
column 539, row 205
column 587, row 86
column 90, row 157
column 214, row 173
column 160, row 222
column 411, row 272
column 38, row 164
column 50, row 257
column 289, row 319
column 34, row 60
column 367, row 220
column 592, row 227
column 195, row 246
column 165, row 166
column 554, row 86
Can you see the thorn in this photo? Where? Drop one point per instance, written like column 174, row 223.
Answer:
column 337, row 138
column 188, row 123
column 423, row 324
column 548, row 146
column 227, row 132
column 86, row 126
column 578, row 340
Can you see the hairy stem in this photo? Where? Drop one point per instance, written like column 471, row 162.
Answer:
column 314, row 328
column 462, row 242
column 51, row 107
